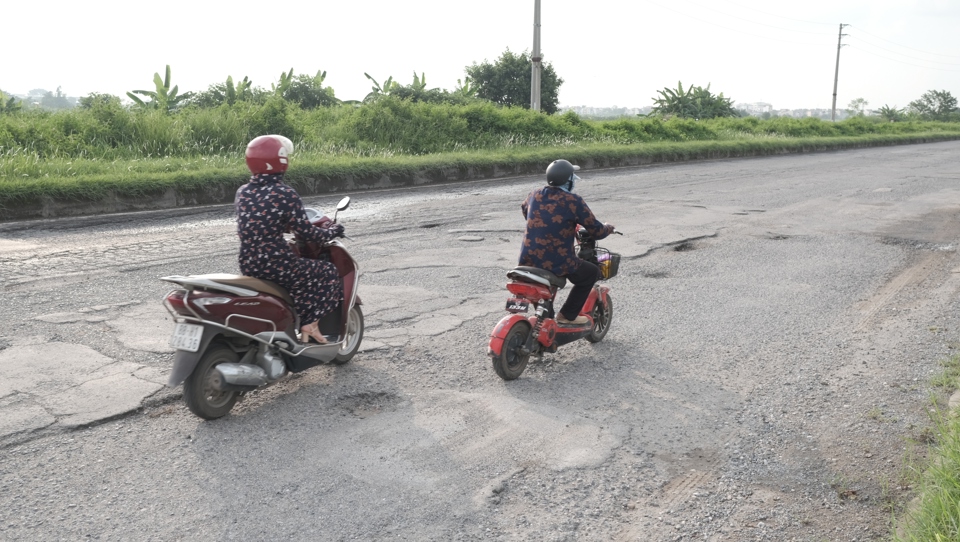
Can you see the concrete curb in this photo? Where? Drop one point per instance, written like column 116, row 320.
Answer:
column 223, row 193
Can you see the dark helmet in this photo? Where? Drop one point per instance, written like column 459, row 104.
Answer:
column 560, row 172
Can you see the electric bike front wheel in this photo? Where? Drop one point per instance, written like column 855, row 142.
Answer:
column 351, row 343
column 200, row 388
column 510, row 363
column 602, row 318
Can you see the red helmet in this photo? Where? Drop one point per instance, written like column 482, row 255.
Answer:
column 268, row 154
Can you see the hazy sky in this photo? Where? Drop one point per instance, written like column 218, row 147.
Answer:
column 608, row 52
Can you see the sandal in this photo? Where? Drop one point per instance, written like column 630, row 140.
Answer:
column 312, row 332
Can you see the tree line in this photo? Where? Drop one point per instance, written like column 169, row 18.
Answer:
column 505, row 82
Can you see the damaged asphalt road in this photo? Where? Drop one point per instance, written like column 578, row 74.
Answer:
column 777, row 325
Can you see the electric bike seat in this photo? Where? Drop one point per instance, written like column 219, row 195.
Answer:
column 524, row 273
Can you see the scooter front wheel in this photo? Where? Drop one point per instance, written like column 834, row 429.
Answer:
column 602, row 318
column 200, row 391
column 351, row 343
column 510, row 363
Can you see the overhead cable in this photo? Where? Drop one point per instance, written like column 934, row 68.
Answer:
column 900, row 61
column 734, row 29
column 727, row 14
column 905, row 46
column 904, row 55
column 780, row 16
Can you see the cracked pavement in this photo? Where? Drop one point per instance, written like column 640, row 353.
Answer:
column 763, row 308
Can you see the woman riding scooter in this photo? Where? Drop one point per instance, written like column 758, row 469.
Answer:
column 553, row 213
column 266, row 208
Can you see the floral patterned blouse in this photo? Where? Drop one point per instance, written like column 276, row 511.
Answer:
column 266, row 208
column 552, row 217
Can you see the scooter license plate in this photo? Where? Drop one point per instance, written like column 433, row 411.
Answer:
column 186, row 337
column 517, row 305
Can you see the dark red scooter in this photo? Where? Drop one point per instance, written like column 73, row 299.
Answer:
column 517, row 336
column 235, row 334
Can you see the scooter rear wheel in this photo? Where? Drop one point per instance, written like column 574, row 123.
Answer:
column 199, row 390
column 602, row 318
column 510, row 363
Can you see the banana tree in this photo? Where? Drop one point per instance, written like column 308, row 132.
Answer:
column 240, row 91
column 9, row 105
column 163, row 98
column 677, row 102
column 308, row 91
column 378, row 90
column 465, row 87
column 419, row 83
column 286, row 79
column 708, row 105
column 694, row 102
column 892, row 114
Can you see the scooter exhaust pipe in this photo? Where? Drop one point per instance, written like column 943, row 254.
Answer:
column 238, row 377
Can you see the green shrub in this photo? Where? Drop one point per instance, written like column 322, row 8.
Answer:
column 103, row 128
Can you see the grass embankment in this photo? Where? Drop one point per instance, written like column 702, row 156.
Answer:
column 83, row 179
column 935, row 514
column 108, row 152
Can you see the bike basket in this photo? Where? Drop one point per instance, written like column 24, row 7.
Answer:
column 608, row 262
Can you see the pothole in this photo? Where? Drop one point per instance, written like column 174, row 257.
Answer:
column 366, row 404
column 683, row 247
column 778, row 236
column 919, row 245
column 431, row 225
column 655, row 275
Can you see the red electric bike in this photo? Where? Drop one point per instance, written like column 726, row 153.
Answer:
column 518, row 336
column 235, row 334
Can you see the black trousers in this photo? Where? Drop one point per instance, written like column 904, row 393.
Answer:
column 583, row 280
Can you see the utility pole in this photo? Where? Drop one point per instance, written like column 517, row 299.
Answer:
column 535, row 60
column 836, row 74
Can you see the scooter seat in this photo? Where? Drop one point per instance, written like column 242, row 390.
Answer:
column 524, row 273
column 262, row 286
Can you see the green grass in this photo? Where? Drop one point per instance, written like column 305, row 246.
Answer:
column 949, row 378
column 935, row 514
column 109, row 131
column 110, row 152
column 27, row 180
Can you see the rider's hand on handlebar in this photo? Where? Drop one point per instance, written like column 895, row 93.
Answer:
column 613, row 229
column 337, row 230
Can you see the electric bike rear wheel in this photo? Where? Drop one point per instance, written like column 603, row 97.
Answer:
column 510, row 363
column 199, row 389
column 602, row 318
column 351, row 343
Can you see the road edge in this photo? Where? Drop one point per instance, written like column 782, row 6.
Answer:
column 175, row 197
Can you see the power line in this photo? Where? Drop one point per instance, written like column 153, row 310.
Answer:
column 780, row 16
column 733, row 29
column 902, row 62
column 905, row 46
column 908, row 56
column 762, row 24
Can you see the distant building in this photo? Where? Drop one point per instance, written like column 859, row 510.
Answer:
column 767, row 111
column 758, row 108
column 613, row 112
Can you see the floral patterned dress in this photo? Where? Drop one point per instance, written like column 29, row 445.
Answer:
column 266, row 208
